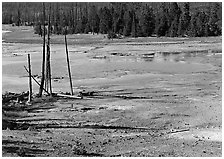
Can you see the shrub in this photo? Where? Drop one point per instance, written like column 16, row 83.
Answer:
column 111, row 35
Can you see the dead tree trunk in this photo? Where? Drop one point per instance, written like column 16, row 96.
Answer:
column 48, row 65
column 69, row 71
column 30, row 80
column 43, row 61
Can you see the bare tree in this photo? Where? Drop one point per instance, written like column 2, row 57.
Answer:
column 43, row 61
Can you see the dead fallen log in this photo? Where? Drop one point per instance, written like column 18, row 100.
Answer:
column 95, row 94
column 83, row 93
column 90, row 126
column 178, row 131
column 36, row 80
column 69, row 96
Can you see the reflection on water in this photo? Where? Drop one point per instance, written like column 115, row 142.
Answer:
column 188, row 55
column 148, row 57
column 176, row 56
column 169, row 57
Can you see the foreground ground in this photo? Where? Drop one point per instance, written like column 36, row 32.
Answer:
column 168, row 104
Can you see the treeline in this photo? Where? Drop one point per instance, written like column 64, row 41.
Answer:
column 128, row 19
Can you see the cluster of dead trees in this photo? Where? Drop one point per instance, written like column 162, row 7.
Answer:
column 45, row 84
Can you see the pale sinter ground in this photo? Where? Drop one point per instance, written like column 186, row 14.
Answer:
column 179, row 88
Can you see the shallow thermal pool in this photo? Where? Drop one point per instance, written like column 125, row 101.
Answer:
column 98, row 64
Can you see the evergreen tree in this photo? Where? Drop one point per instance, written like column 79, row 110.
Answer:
column 120, row 23
column 105, row 20
column 147, row 21
column 57, row 21
column 93, row 19
column 82, row 25
column 127, row 23
column 213, row 23
column 173, row 31
column 134, row 26
column 38, row 29
column 162, row 20
column 174, row 15
column 193, row 25
column 202, row 22
column 71, row 19
column 18, row 19
column 184, row 19
column 199, row 25
column 117, row 11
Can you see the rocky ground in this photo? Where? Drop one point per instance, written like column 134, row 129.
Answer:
column 150, row 97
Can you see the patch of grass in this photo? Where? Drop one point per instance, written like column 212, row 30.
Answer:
column 25, row 34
